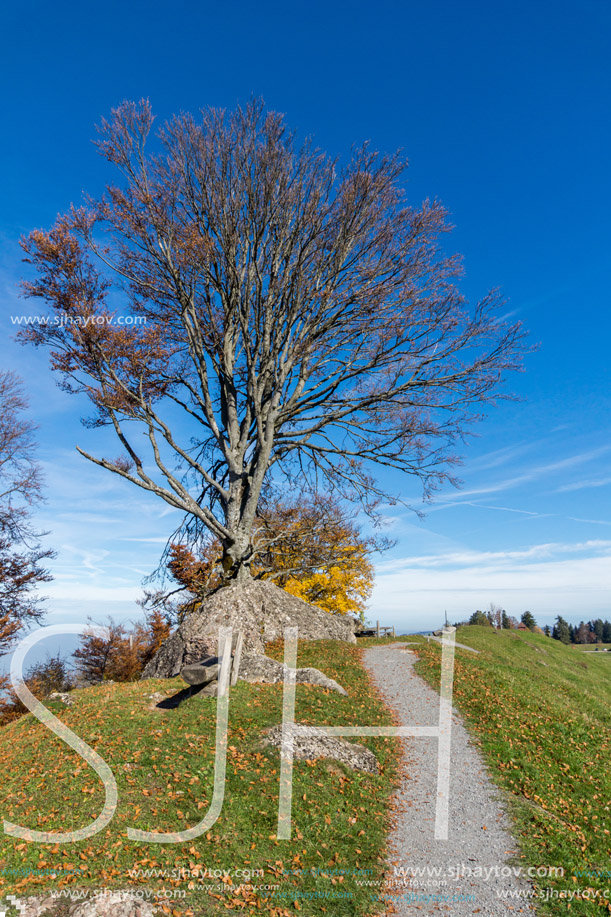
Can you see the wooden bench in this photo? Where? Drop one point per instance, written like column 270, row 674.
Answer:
column 206, row 671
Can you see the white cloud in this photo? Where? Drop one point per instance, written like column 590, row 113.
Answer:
column 582, row 485
column 549, row 579
column 526, row 477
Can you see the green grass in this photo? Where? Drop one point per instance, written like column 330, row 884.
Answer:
column 542, row 716
column 540, row 712
column 164, row 764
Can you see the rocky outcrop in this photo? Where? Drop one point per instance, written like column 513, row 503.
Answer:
column 260, row 609
column 268, row 671
column 115, row 904
column 319, row 745
column 255, row 669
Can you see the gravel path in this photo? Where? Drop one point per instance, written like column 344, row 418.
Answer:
column 479, row 839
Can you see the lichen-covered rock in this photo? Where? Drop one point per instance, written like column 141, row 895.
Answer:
column 260, row 609
column 255, row 668
column 319, row 745
column 118, row 904
column 30, row 907
column 62, row 696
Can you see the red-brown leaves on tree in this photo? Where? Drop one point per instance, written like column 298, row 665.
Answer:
column 299, row 318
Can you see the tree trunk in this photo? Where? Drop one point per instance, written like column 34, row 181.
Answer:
column 240, row 511
column 236, row 561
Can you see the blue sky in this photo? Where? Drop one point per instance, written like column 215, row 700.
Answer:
column 503, row 112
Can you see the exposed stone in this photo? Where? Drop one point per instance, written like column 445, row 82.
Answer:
column 255, row 668
column 120, row 904
column 320, row 745
column 65, row 698
column 260, row 609
column 31, row 907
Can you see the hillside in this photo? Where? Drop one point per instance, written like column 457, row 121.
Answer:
column 163, row 761
column 542, row 714
column 540, row 711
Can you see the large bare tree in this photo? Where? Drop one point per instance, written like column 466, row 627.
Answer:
column 21, row 556
column 296, row 316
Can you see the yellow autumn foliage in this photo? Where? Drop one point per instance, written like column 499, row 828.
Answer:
column 339, row 590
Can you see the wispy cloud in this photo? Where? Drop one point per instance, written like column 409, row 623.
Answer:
column 505, row 509
column 486, row 558
column 582, row 485
column 573, row 579
column 526, row 477
column 499, row 457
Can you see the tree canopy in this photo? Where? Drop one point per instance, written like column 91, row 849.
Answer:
column 256, row 307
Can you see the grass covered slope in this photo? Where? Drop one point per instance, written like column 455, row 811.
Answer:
column 542, row 713
column 163, row 762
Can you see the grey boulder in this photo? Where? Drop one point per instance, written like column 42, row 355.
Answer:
column 261, row 610
column 317, row 744
column 261, row 669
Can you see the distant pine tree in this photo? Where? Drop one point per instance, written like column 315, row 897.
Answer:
column 562, row 630
column 528, row 619
column 478, row 617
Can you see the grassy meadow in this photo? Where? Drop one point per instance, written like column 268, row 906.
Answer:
column 541, row 714
column 539, row 710
column 163, row 761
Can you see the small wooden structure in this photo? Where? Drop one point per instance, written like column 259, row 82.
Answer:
column 205, row 672
column 237, row 656
column 377, row 631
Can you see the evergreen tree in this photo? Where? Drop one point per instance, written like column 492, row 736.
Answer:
column 607, row 632
column 505, row 622
column 562, row 630
column 547, row 630
column 598, row 628
column 529, row 620
column 478, row 617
